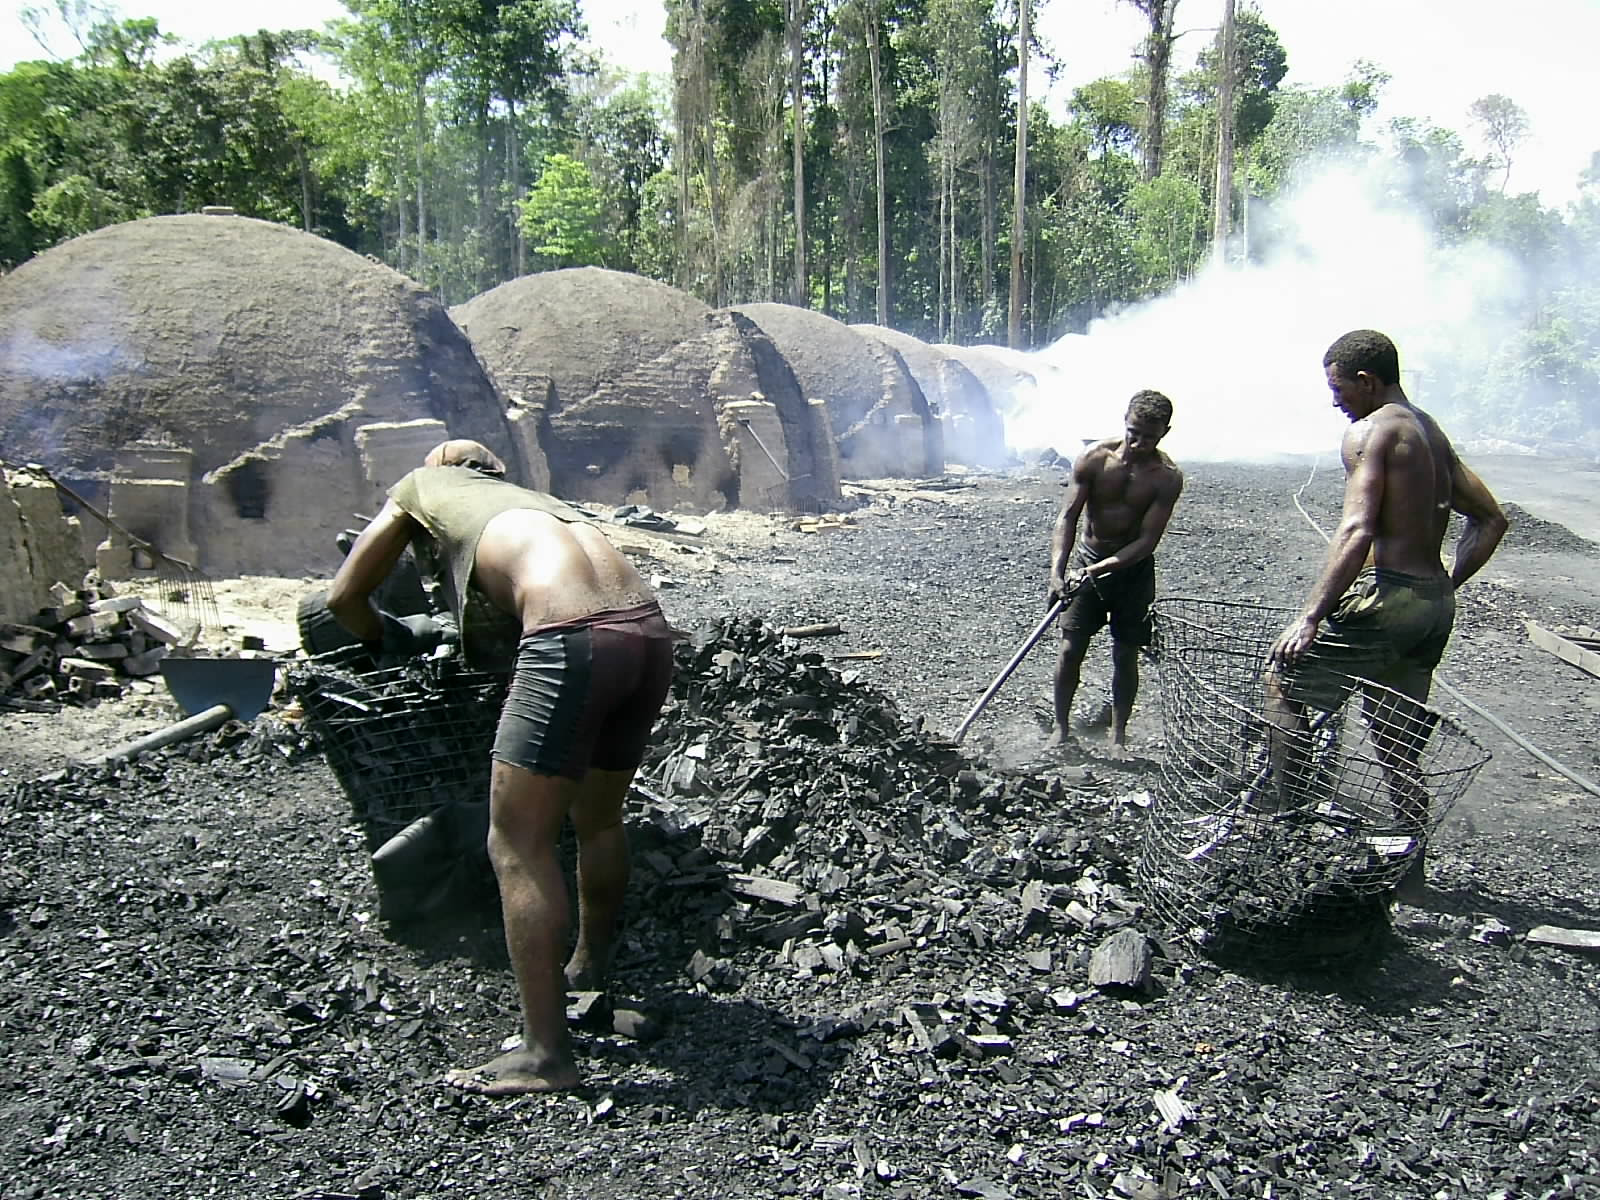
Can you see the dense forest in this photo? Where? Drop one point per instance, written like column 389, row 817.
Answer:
column 860, row 157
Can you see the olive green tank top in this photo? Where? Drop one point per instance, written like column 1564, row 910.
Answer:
column 454, row 504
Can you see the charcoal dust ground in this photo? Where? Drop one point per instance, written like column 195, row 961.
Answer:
column 859, row 958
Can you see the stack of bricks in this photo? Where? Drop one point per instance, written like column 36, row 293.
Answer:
column 82, row 647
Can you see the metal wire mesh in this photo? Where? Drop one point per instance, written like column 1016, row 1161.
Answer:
column 405, row 741
column 180, row 592
column 1276, row 834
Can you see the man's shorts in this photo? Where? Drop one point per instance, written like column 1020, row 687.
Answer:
column 1389, row 627
column 586, row 693
column 1123, row 598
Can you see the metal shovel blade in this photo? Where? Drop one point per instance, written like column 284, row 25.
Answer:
column 243, row 684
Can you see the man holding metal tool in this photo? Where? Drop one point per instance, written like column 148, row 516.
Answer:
column 592, row 668
column 1383, row 607
column 1126, row 489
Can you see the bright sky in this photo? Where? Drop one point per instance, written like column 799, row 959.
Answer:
column 1442, row 54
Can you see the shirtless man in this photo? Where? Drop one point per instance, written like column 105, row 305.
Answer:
column 1128, row 488
column 592, row 667
column 1385, row 597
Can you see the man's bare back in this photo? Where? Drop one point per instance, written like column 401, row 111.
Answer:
column 1402, row 481
column 547, row 571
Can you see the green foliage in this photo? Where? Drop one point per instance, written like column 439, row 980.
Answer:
column 1503, row 124
column 563, row 215
column 1260, row 65
column 1436, row 178
column 1521, row 226
column 1109, row 110
column 1309, row 129
column 1170, row 221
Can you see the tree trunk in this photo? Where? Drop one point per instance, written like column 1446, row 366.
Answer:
column 882, row 174
column 1222, row 212
column 421, row 99
column 302, row 160
column 1019, row 192
column 1158, row 61
column 519, row 247
column 400, row 240
column 797, row 22
column 944, row 242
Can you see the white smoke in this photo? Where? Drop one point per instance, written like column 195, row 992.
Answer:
column 1239, row 349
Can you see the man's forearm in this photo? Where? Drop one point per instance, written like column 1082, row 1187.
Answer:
column 1477, row 542
column 1061, row 543
column 357, row 614
column 1346, row 555
column 1134, row 553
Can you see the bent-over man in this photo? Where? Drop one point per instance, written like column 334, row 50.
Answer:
column 1383, row 607
column 1125, row 489
column 591, row 670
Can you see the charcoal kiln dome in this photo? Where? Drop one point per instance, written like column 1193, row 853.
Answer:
column 878, row 414
column 579, row 328
column 974, row 434
column 232, row 390
column 216, row 333
column 643, row 394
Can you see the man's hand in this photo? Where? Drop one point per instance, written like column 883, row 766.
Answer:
column 1062, row 588
column 1294, row 642
column 407, row 637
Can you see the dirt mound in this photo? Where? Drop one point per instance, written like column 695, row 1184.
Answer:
column 216, row 333
column 580, row 328
column 974, row 435
column 879, row 416
column 1529, row 532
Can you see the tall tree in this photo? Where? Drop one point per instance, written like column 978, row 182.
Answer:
column 1157, row 57
column 1504, row 125
column 880, row 145
column 1227, row 68
column 795, row 14
column 1019, row 194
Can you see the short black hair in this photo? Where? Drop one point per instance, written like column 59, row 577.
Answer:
column 483, row 468
column 1151, row 406
column 1365, row 350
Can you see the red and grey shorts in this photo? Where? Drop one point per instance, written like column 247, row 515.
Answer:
column 586, row 693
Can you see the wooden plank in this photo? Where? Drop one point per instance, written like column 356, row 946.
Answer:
column 1565, row 649
column 1567, row 939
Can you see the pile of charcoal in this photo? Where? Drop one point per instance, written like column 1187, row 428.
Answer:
column 849, row 841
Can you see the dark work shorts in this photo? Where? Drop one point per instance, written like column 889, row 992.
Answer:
column 1121, row 597
column 586, row 693
column 1388, row 627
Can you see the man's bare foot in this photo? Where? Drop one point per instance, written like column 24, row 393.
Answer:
column 584, row 974
column 516, row 1073
column 1060, row 739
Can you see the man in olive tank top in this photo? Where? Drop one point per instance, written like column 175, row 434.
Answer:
column 592, row 663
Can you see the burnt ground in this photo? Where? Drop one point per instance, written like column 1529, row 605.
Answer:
column 197, row 998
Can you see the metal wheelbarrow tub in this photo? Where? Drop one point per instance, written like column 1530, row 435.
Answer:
column 211, row 692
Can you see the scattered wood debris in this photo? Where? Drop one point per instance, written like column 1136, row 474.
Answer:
column 1581, row 649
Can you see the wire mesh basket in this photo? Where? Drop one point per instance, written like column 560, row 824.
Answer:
column 405, row 741
column 1277, row 833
